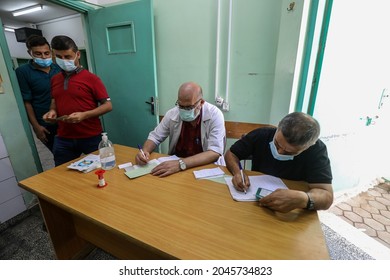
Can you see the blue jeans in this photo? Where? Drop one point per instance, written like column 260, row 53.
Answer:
column 66, row 149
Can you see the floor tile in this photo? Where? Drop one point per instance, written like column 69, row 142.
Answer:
column 368, row 211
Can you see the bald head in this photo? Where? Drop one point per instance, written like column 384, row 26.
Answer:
column 190, row 92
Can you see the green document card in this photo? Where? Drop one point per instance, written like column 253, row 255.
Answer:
column 139, row 170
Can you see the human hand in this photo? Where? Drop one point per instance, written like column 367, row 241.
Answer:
column 142, row 159
column 283, row 200
column 239, row 184
column 41, row 133
column 75, row 117
column 50, row 117
column 166, row 168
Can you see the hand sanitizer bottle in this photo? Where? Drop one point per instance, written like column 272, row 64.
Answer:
column 106, row 153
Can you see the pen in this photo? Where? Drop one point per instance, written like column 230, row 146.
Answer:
column 242, row 175
column 142, row 152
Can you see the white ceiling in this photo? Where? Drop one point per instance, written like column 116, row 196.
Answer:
column 50, row 11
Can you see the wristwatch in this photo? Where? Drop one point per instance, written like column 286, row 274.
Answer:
column 182, row 164
column 310, row 202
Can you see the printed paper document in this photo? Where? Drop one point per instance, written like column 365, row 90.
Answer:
column 86, row 164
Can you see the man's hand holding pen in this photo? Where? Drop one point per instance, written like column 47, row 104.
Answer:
column 240, row 180
column 142, row 157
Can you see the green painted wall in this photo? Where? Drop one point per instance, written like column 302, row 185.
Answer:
column 12, row 129
column 255, row 36
column 287, row 44
column 185, row 47
column 263, row 53
column 262, row 31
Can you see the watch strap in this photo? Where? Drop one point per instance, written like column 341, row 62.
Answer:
column 182, row 165
column 310, row 202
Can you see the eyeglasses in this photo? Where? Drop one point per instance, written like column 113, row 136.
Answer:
column 187, row 108
column 285, row 152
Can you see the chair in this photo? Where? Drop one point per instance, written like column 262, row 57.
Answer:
column 236, row 130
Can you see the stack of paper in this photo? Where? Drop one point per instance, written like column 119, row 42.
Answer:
column 86, row 164
column 209, row 173
column 261, row 181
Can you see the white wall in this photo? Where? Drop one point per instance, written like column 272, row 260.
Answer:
column 70, row 26
column 353, row 77
column 16, row 49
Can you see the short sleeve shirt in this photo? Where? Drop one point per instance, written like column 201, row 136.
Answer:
column 35, row 87
column 81, row 91
column 312, row 165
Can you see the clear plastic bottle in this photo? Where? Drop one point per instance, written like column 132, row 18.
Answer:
column 106, row 153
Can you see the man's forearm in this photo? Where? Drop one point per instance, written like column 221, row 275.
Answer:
column 232, row 162
column 203, row 158
column 31, row 115
column 322, row 195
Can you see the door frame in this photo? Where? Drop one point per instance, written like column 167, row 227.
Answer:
column 306, row 97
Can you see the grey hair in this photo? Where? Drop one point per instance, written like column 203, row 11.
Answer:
column 299, row 129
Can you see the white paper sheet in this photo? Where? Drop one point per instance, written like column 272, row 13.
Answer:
column 260, row 181
column 208, row 173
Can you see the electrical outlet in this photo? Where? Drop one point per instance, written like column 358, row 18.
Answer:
column 225, row 106
column 219, row 101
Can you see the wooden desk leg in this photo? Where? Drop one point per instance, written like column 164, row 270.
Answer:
column 59, row 223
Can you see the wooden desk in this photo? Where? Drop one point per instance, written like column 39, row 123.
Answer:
column 176, row 217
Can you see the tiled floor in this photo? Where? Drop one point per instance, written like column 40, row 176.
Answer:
column 369, row 212
column 23, row 238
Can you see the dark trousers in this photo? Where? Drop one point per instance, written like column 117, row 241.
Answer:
column 50, row 137
column 66, row 149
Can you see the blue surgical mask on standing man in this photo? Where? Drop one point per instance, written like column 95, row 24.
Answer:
column 43, row 62
column 66, row 64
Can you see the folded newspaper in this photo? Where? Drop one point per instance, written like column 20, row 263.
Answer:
column 86, row 164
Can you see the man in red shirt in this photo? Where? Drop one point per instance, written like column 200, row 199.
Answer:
column 79, row 98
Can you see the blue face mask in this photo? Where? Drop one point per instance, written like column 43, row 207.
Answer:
column 188, row 115
column 276, row 154
column 43, row 62
column 66, row 64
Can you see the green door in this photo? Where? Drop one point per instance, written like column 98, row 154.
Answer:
column 122, row 43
